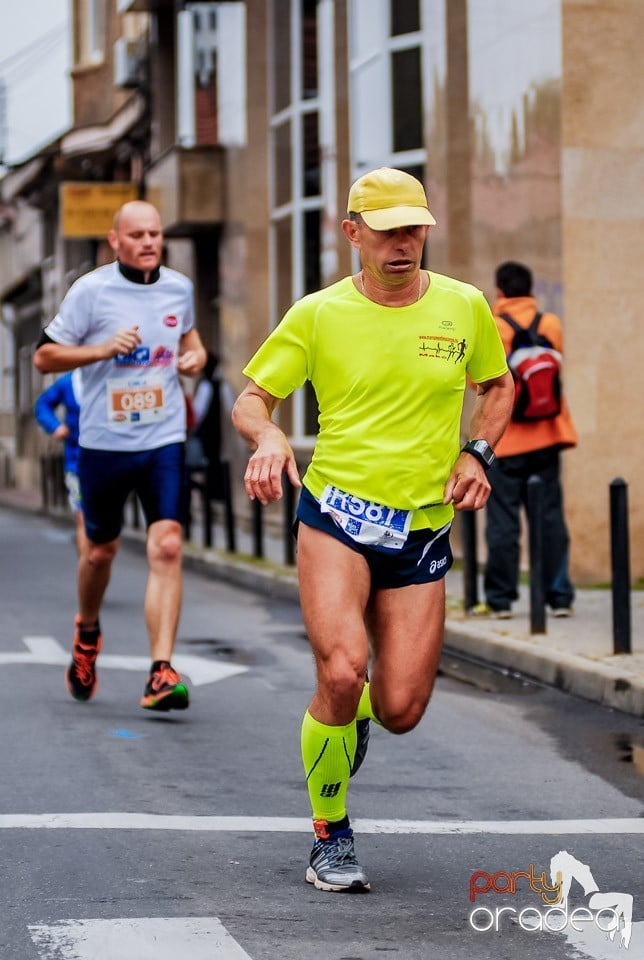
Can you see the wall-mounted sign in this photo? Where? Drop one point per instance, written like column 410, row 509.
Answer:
column 87, row 209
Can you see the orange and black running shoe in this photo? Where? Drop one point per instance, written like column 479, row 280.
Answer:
column 81, row 676
column 165, row 690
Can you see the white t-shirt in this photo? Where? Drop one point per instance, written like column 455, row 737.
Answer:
column 132, row 402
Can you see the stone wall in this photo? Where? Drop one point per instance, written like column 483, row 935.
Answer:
column 603, row 254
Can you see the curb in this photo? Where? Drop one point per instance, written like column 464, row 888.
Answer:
column 260, row 576
column 612, row 685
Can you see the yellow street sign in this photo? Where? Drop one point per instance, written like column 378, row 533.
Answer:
column 87, row 209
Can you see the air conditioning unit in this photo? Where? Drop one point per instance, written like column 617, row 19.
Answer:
column 128, row 61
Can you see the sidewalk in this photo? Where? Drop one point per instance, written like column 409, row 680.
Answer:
column 574, row 655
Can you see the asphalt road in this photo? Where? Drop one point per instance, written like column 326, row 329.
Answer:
column 127, row 835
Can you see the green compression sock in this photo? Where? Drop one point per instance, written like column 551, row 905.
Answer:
column 327, row 754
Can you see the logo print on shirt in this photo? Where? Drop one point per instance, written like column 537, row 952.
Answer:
column 170, row 320
column 141, row 357
column 162, row 357
column 442, row 348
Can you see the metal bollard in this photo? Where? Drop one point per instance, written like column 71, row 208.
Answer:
column 535, row 525
column 231, row 541
column 470, row 562
column 206, row 506
column 258, row 530
column 60, row 491
column 620, row 566
column 289, row 517
column 44, row 483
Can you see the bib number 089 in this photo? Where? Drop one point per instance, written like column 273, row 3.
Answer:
column 141, row 400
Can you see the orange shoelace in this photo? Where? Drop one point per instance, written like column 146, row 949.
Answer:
column 165, row 677
column 84, row 659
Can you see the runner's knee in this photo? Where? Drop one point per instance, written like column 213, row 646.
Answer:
column 101, row 554
column 341, row 676
column 400, row 714
column 165, row 547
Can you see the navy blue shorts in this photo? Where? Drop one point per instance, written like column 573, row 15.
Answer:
column 426, row 555
column 107, row 478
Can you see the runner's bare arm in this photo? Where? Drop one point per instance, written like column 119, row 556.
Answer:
column 467, row 486
column 192, row 354
column 59, row 357
column 272, row 454
column 492, row 409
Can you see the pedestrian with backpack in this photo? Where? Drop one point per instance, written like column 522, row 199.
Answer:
column 540, row 428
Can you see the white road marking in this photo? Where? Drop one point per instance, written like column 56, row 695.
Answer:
column 47, row 651
column 147, row 821
column 161, row 938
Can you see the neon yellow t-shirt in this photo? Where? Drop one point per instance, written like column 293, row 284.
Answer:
column 389, row 382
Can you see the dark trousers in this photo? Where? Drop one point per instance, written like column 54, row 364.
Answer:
column 509, row 479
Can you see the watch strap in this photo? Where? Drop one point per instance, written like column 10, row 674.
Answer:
column 482, row 450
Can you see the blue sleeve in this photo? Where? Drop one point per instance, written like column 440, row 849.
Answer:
column 46, row 405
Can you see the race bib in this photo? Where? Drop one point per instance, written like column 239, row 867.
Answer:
column 134, row 402
column 366, row 522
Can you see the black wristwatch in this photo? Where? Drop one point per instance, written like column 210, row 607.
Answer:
column 482, row 450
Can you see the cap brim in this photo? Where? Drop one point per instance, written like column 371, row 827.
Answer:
column 393, row 217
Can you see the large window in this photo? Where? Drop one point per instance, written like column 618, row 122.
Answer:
column 211, row 74
column 280, row 54
column 90, row 39
column 282, row 265
column 389, row 90
column 282, row 157
column 296, row 170
column 405, row 16
column 406, row 87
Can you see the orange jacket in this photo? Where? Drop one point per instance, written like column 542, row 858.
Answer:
column 557, row 431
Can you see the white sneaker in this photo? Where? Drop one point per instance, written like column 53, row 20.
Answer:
column 333, row 865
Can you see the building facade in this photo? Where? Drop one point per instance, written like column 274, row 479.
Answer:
column 246, row 122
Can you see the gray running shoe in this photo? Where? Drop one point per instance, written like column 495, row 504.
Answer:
column 363, row 729
column 333, row 865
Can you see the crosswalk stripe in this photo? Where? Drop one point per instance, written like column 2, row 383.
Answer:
column 148, row 938
column 147, row 821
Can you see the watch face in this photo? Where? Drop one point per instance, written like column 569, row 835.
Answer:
column 484, row 449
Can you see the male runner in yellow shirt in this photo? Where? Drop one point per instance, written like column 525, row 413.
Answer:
column 388, row 352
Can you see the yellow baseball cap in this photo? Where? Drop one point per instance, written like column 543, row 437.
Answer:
column 388, row 198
